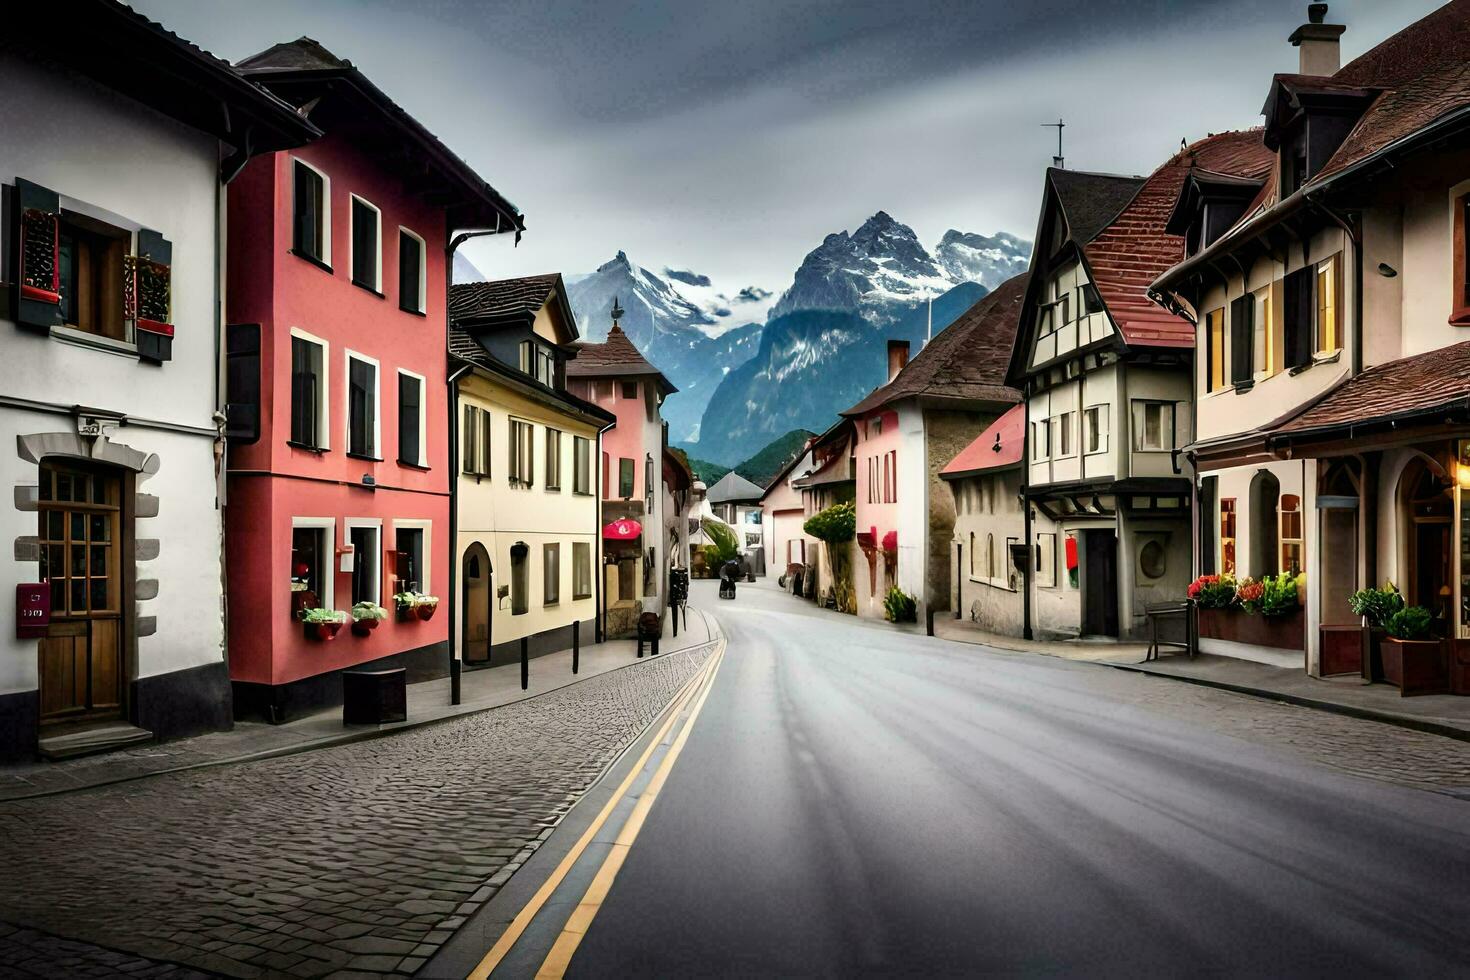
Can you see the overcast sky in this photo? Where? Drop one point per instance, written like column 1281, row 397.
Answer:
column 730, row 136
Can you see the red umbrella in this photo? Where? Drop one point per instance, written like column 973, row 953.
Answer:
column 625, row 529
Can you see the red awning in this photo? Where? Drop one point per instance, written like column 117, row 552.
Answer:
column 622, row 530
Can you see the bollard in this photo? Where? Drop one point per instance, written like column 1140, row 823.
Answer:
column 576, row 645
column 929, row 620
column 676, row 620
column 525, row 665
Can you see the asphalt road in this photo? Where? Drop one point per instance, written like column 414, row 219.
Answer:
column 853, row 800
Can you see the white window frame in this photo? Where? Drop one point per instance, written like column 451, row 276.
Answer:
column 376, row 523
column 377, row 286
column 326, row 257
column 427, row 526
column 513, row 444
column 323, row 409
column 423, row 459
column 1065, row 429
column 422, row 303
column 1169, row 433
column 328, row 597
column 1040, row 428
column 547, row 432
column 1043, row 548
column 1101, row 409
column 349, row 357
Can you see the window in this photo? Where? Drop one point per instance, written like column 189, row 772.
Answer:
column 1046, row 560
column 625, row 478
column 875, row 427
column 1065, row 305
column 1227, row 536
column 79, row 515
column 242, row 383
column 519, row 578
column 475, row 457
column 630, row 390
column 1298, row 310
column 1215, row 350
column 1242, row 339
column 606, row 476
column 311, row 213
column 1152, row 560
column 538, row 361
column 1329, row 338
column 1064, row 423
column 1291, row 533
column 90, row 265
column 365, row 580
column 581, row 570
column 409, row 568
column 311, row 568
column 308, row 393
column 1460, row 275
column 1267, row 339
column 990, row 556
column 411, row 272
column 411, row 419
column 1153, row 426
column 1095, row 435
column 553, row 459
column 1040, row 440
column 362, row 406
column 367, row 258
column 551, row 574
column 522, row 454
column 582, row 466
column 1091, row 299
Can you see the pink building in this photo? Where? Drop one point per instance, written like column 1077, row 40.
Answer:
column 614, row 376
column 338, row 475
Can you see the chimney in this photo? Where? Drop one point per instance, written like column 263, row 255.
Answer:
column 898, row 356
column 1318, row 42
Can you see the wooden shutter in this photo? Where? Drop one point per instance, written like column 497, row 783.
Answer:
column 471, row 440
column 38, row 262
column 306, row 211
column 409, row 408
column 148, row 296
column 1242, row 337
column 1298, row 313
column 485, row 457
column 242, row 383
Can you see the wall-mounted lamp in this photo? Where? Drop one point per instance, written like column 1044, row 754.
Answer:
column 1387, row 271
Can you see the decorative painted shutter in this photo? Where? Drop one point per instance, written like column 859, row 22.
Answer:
column 148, row 296
column 1242, row 336
column 38, row 265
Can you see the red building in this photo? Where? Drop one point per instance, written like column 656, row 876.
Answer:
column 338, row 469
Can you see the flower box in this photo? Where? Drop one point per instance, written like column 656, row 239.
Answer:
column 1238, row 626
column 321, row 632
column 1416, row 666
column 425, row 610
column 363, row 627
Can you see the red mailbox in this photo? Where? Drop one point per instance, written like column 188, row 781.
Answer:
column 32, row 610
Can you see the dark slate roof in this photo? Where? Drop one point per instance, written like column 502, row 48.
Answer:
column 1126, row 256
column 142, row 59
column 734, row 488
column 1091, row 201
column 615, row 357
column 501, row 299
column 1409, row 386
column 301, row 70
column 966, row 361
column 464, row 347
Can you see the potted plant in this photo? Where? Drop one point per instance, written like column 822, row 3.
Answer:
column 1375, row 606
column 365, row 617
column 322, row 624
column 899, row 606
column 302, row 596
column 426, row 605
column 1213, row 591
column 1412, row 661
column 406, row 602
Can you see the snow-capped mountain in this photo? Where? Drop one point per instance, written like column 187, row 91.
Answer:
column 988, row 260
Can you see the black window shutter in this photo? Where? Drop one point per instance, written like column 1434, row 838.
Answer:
column 1299, row 310
column 1242, row 336
column 303, row 393
column 408, row 419
column 242, row 383
column 409, row 259
column 1209, row 529
column 36, row 233
column 153, row 297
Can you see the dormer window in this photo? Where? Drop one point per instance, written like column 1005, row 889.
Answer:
column 538, row 361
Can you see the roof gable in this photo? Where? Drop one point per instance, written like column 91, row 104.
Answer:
column 998, row 447
column 510, row 301
column 734, row 488
column 616, row 357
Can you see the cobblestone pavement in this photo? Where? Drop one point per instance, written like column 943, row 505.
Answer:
column 347, row 861
column 27, row 953
column 1354, row 745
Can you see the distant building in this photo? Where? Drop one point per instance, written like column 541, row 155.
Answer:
column 617, row 378
column 737, row 502
column 907, row 430
column 829, row 481
column 529, row 522
column 783, row 512
column 990, row 526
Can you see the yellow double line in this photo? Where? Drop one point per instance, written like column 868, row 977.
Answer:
column 560, row 956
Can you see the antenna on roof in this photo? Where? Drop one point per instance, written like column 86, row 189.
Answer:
column 617, row 311
column 1058, row 161
column 929, row 335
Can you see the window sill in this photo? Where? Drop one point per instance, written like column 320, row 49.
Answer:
column 84, row 338
column 424, row 467
column 363, row 456
column 318, row 450
column 413, row 312
column 371, row 289
column 579, row 598
column 551, row 489
column 581, row 493
column 312, row 260
column 1460, row 318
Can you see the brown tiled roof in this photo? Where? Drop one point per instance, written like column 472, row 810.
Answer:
column 1127, row 255
column 1405, row 387
column 967, row 361
column 502, row 298
column 613, row 358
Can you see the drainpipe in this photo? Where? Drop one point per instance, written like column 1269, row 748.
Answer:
column 1026, row 632
column 1355, row 235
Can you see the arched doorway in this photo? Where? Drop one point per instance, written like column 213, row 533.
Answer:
column 1265, row 497
column 1338, row 502
column 477, row 604
column 1426, row 510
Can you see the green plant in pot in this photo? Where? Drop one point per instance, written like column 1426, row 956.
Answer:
column 899, row 606
column 321, row 623
column 1412, row 660
column 406, row 602
column 426, row 605
column 366, row 616
column 1376, row 605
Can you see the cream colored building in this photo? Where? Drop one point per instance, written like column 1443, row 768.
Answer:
column 528, row 514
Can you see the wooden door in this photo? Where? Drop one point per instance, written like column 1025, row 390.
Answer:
column 477, row 605
column 1100, row 601
column 81, row 655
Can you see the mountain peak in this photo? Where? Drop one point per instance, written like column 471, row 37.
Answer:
column 621, row 259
